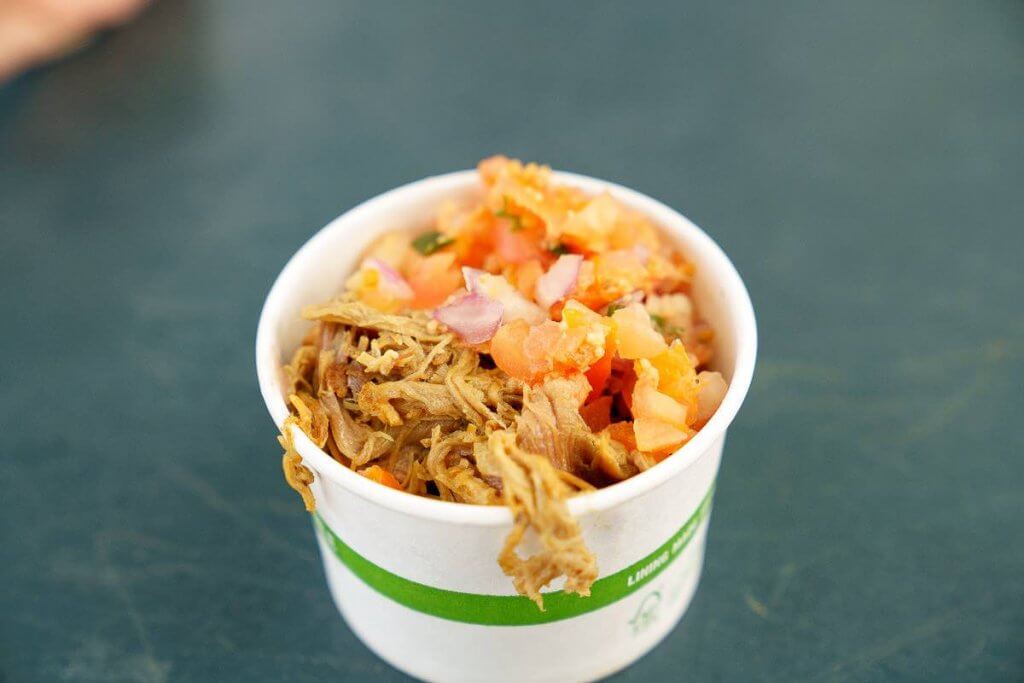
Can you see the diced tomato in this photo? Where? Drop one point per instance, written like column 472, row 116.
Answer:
column 577, row 314
column 597, row 413
column 588, row 229
column 549, row 346
column 710, row 392
column 635, row 336
column 516, row 245
column 649, row 403
column 432, row 278
column 677, row 377
column 633, row 231
column 623, row 433
column 595, row 327
column 508, row 352
column 658, row 438
column 490, row 167
column 530, row 353
column 599, row 372
column 542, row 341
column 526, row 276
column 381, row 476
column 574, row 351
column 617, row 273
column 627, row 386
column 473, row 234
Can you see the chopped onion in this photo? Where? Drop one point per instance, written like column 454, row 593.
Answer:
column 472, row 277
column 559, row 281
column 473, row 316
column 390, row 280
column 516, row 306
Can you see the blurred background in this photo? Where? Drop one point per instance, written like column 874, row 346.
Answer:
column 862, row 163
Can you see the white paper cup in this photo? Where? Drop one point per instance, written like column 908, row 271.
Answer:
column 417, row 579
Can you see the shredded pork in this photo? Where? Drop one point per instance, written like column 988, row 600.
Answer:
column 393, row 390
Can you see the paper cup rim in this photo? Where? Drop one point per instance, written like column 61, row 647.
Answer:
column 701, row 249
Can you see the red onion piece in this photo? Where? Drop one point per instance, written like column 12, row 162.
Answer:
column 391, row 281
column 474, row 317
column 559, row 281
column 517, row 306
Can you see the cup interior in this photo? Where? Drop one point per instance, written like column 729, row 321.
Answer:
column 318, row 270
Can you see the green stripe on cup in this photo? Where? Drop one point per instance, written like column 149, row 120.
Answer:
column 514, row 610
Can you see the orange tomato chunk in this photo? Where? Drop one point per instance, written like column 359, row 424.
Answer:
column 381, row 476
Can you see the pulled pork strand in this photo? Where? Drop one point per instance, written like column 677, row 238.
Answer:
column 391, row 393
column 535, row 492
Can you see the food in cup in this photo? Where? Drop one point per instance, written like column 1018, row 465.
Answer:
column 414, row 577
column 527, row 347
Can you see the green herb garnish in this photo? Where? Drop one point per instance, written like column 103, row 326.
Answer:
column 559, row 249
column 666, row 329
column 517, row 221
column 429, row 242
column 614, row 306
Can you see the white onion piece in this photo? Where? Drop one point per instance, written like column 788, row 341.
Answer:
column 474, row 317
column 390, row 281
column 559, row 281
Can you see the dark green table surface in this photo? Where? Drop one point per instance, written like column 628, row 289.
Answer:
column 862, row 162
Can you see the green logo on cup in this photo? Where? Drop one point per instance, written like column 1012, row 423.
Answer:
column 647, row 613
